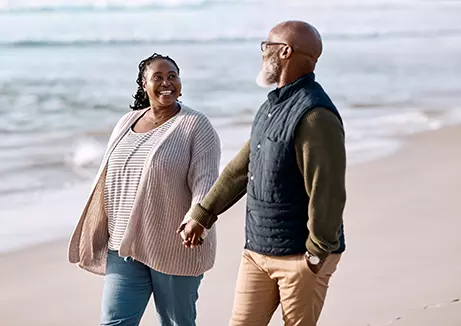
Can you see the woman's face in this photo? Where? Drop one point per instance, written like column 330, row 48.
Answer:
column 162, row 83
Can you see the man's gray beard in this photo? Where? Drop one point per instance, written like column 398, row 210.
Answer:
column 268, row 75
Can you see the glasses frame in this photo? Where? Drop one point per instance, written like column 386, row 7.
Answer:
column 264, row 44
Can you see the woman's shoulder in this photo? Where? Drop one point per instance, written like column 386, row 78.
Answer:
column 199, row 125
column 189, row 112
column 128, row 116
column 199, row 118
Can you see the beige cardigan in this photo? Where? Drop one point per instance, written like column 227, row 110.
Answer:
column 177, row 174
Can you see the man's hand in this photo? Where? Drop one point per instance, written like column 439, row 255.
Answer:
column 191, row 233
column 314, row 268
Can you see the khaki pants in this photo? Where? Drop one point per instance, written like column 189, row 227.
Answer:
column 265, row 281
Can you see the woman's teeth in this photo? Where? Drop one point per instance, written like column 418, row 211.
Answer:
column 166, row 92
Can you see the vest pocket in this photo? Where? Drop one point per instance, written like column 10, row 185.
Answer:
column 273, row 155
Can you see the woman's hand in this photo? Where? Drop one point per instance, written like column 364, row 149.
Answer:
column 191, row 233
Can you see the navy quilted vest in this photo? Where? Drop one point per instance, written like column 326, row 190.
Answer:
column 277, row 202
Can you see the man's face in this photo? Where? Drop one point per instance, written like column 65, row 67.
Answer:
column 271, row 67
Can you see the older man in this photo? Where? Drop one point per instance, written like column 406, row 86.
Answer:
column 293, row 172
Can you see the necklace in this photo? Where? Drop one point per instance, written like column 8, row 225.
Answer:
column 163, row 119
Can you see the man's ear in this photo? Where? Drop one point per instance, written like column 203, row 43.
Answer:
column 286, row 52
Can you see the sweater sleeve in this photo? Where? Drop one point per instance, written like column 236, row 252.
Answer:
column 321, row 157
column 228, row 189
column 205, row 159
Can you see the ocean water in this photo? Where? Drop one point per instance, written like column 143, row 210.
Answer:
column 68, row 71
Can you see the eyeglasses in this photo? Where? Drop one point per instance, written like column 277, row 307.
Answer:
column 264, row 44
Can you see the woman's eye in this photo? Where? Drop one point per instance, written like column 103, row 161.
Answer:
column 157, row 78
column 172, row 77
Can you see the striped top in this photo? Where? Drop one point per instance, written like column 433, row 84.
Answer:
column 178, row 172
column 123, row 174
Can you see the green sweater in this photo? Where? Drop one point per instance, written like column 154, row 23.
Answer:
column 321, row 158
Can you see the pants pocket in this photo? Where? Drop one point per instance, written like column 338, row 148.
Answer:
column 305, row 268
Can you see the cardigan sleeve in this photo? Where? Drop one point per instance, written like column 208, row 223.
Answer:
column 205, row 159
column 230, row 187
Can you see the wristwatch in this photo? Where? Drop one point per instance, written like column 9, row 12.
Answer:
column 314, row 260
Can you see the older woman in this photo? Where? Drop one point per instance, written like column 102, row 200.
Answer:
column 162, row 158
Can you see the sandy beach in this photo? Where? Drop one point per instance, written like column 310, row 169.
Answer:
column 402, row 265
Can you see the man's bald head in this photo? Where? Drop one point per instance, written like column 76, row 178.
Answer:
column 291, row 51
column 301, row 36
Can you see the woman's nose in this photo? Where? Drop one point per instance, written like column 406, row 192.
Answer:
column 166, row 82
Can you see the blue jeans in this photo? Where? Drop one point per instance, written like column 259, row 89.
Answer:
column 128, row 285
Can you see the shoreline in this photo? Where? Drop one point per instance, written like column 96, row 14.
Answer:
column 72, row 198
column 83, row 188
column 401, row 266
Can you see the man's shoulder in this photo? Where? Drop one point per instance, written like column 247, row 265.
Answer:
column 320, row 117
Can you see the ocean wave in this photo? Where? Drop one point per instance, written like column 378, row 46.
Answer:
column 111, row 5
column 118, row 42
column 37, row 6
column 89, row 6
column 29, row 43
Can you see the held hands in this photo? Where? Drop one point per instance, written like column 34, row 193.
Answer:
column 192, row 233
